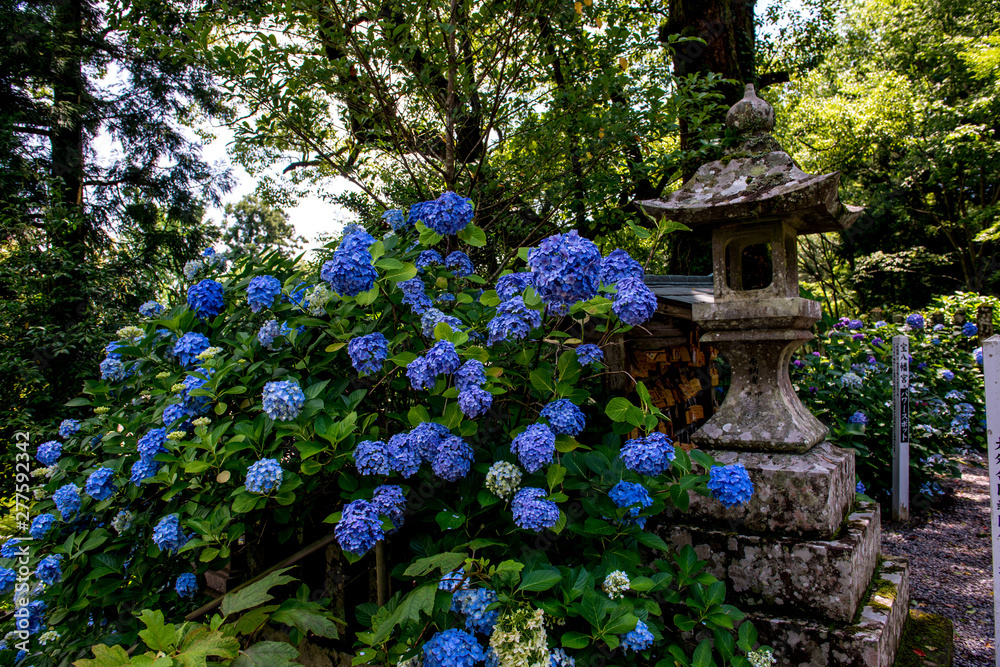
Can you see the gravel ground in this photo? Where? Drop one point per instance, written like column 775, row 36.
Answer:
column 949, row 552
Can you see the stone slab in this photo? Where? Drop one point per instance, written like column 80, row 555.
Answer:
column 821, row 580
column 803, row 495
column 870, row 642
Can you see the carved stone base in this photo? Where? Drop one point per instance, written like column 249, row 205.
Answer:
column 870, row 642
column 804, row 495
column 788, row 576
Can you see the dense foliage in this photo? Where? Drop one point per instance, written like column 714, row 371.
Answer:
column 460, row 433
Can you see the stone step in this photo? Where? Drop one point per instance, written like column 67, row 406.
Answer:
column 804, row 495
column 871, row 641
column 822, row 580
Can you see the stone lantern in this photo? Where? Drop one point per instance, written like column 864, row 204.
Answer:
column 802, row 557
column 755, row 202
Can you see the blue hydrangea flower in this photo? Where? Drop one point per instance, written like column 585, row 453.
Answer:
column 946, row 375
column 35, row 616
column 68, row 427
column 560, row 658
column 150, row 309
column 414, row 213
column 858, row 417
column 452, row 581
column 650, row 455
column 730, row 484
column 448, row 214
column 174, row 412
column 264, row 476
column 471, row 374
column 368, row 353
column 425, row 439
column 935, row 341
column 143, row 470
column 414, row 295
column 10, row 548
column 7, row 579
column 855, row 324
column 41, row 525
column 152, row 443
column 67, row 500
column 283, row 400
column 474, row 402
column 403, row 458
column 513, row 321
column 48, row 570
column 453, row 458
column 356, row 239
column 439, row 359
column 535, row 447
column 531, row 510
column 564, row 417
column 101, row 484
column 262, row 291
column 473, row 603
column 110, row 348
column 206, row 299
column 390, row 501
column 349, row 272
column 969, row 329
column 977, row 354
column 167, row 535
column 186, row 585
column 938, row 327
column 396, row 219
column 189, row 346
column 512, row 284
column 565, row 268
column 915, row 321
column 49, row 452
column 453, row 648
column 433, row 317
column 428, row 258
column 848, row 380
column 589, row 354
column 634, row 303
column 860, row 488
column 619, row 265
column 113, row 369
column 271, row 331
column 635, row 497
column 637, row 640
column 372, row 458
column 359, row 527
column 460, row 264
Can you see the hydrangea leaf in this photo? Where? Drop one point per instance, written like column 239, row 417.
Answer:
column 473, row 235
column 254, row 594
column 268, row 654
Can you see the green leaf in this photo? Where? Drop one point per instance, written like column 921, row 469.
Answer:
column 541, row 380
column 157, row 635
column 268, row 654
column 490, row 299
column 194, row 467
column 307, row 617
column 443, row 563
column 702, row 654
column 106, row 656
column 473, row 235
column 575, row 640
column 539, row 580
column 405, row 272
column 747, row 637
column 618, row 409
column 449, row 520
column 428, row 237
column 555, row 475
column 244, row 502
column 254, row 594
column 201, row 643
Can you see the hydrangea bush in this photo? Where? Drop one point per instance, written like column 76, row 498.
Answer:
column 845, row 378
column 470, row 463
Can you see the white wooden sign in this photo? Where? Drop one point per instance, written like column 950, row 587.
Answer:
column 991, row 371
column 901, row 428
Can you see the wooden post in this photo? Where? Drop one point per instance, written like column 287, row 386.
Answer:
column 984, row 321
column 991, row 371
column 900, row 428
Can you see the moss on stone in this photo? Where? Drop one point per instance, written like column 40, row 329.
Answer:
column 930, row 634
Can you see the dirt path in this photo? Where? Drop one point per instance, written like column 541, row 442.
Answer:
column 949, row 551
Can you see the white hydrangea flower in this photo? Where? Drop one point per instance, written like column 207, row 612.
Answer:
column 616, row 584
column 519, row 639
column 192, row 268
column 503, row 479
column 177, row 388
column 201, row 421
column 38, row 492
column 317, row 298
column 130, row 331
column 122, row 521
column 162, row 375
column 761, row 658
column 176, row 435
column 47, row 637
column 209, row 353
column 102, row 410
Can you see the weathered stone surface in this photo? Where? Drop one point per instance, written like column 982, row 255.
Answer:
column 806, row 495
column 823, row 580
column 870, row 642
